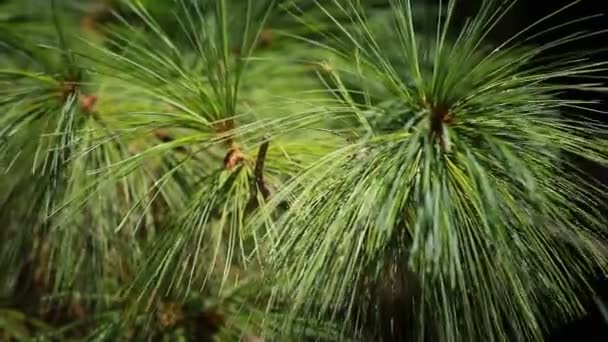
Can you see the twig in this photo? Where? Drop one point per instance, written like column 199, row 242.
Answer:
column 258, row 175
column 258, row 172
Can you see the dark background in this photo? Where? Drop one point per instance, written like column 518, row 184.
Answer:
column 592, row 327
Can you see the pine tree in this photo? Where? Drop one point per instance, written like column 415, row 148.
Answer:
column 292, row 170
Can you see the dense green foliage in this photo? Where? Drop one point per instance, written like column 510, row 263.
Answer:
column 291, row 170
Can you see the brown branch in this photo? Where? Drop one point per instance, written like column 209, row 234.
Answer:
column 258, row 172
column 258, row 183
